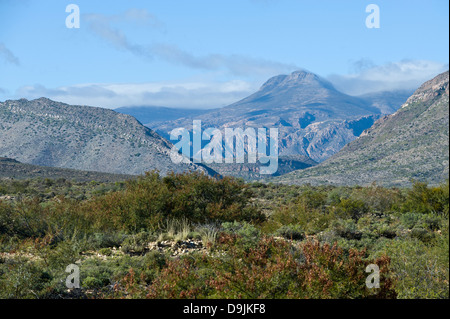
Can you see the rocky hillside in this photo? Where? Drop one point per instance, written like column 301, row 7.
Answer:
column 251, row 172
column 48, row 133
column 412, row 143
column 12, row 169
column 314, row 119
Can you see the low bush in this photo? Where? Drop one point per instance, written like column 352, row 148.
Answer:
column 48, row 225
column 293, row 232
column 271, row 270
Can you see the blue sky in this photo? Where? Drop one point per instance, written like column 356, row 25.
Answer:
column 204, row 53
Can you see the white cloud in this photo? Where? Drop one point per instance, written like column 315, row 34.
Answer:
column 403, row 75
column 7, row 55
column 170, row 94
column 103, row 27
column 208, row 92
column 235, row 64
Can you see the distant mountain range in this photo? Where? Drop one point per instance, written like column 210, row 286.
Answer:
column 48, row 133
column 314, row 119
column 412, row 143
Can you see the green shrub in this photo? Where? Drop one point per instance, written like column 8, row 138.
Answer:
column 388, row 232
column 347, row 229
column 155, row 260
column 349, row 208
column 311, row 199
column 242, row 229
column 107, row 239
column 93, row 282
column 26, row 219
column 409, row 220
column 293, row 232
column 137, row 243
column 418, row 270
column 312, row 221
column 105, row 251
column 423, row 199
column 422, row 234
column 431, row 222
column 208, row 233
column 150, row 200
column 22, row 280
column 378, row 199
column 247, row 235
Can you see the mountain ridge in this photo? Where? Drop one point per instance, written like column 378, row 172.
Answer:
column 311, row 114
column 49, row 133
column 411, row 144
column 13, row 169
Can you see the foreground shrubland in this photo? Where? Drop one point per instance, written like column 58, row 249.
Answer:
column 190, row 236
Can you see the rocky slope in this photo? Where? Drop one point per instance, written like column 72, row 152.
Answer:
column 314, row 119
column 412, row 143
column 12, row 169
column 48, row 133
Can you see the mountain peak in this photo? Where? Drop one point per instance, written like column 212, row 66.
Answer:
column 302, row 75
column 296, row 79
column 43, row 100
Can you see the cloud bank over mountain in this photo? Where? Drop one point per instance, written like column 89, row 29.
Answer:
column 189, row 94
column 402, row 75
column 208, row 92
